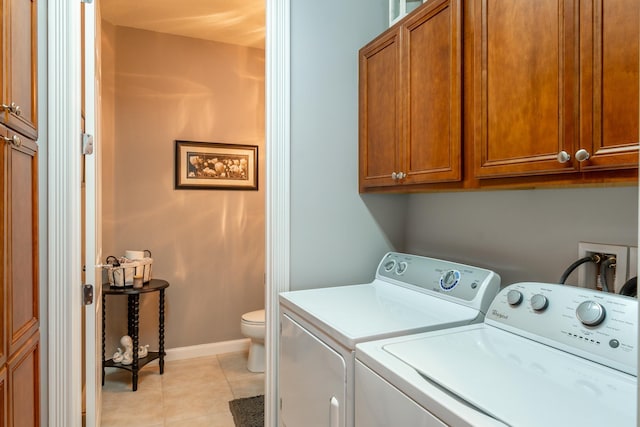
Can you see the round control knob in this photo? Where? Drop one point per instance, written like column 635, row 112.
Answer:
column 389, row 265
column 590, row 313
column 514, row 297
column 539, row 302
column 401, row 268
column 449, row 279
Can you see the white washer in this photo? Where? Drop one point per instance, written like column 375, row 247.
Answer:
column 321, row 327
column 546, row 355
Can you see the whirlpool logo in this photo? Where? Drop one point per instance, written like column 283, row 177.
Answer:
column 499, row 315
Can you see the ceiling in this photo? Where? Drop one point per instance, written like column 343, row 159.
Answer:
column 240, row 22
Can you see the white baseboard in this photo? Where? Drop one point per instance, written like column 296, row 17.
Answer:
column 210, row 349
column 201, row 350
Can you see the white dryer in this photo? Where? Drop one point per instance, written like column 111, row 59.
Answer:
column 545, row 355
column 321, row 327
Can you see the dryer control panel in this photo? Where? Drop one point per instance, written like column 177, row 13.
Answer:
column 596, row 325
column 464, row 284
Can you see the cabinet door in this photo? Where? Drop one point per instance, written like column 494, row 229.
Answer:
column 19, row 67
column 20, row 241
column 380, row 114
column 525, row 86
column 431, row 55
column 4, row 214
column 609, row 46
column 23, row 371
column 312, row 379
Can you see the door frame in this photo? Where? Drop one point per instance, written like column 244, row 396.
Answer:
column 64, row 392
column 63, row 252
column 92, row 230
column 278, row 206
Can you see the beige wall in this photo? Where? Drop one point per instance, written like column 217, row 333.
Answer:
column 209, row 244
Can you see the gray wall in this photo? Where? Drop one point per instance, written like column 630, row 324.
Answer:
column 523, row 235
column 337, row 236
column 529, row 235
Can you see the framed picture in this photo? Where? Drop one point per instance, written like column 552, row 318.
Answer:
column 203, row 165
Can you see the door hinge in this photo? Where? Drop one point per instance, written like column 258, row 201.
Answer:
column 87, row 293
column 87, row 144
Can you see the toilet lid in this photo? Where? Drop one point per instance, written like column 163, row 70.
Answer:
column 254, row 316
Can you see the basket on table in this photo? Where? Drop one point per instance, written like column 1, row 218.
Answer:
column 123, row 271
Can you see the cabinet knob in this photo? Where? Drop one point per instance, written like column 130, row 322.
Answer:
column 394, row 175
column 13, row 108
column 401, row 175
column 582, row 155
column 563, row 157
column 15, row 140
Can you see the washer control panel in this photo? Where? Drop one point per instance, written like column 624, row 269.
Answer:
column 596, row 325
column 462, row 283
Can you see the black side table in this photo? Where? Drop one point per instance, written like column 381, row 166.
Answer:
column 133, row 299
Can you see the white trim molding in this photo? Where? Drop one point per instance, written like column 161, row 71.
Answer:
column 64, row 222
column 278, row 107
column 204, row 350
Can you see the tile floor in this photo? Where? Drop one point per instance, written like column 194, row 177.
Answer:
column 191, row 392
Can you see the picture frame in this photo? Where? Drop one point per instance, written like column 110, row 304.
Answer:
column 216, row 165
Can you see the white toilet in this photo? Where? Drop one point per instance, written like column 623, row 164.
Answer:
column 252, row 326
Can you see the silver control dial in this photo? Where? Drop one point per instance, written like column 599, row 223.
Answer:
column 389, row 265
column 401, row 268
column 449, row 279
column 514, row 297
column 590, row 313
column 539, row 302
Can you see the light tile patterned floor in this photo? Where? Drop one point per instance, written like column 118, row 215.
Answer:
column 192, row 392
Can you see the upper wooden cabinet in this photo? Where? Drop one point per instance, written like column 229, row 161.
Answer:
column 18, row 105
column 410, row 100
column 380, row 115
column 555, row 86
column 525, row 85
column 609, row 73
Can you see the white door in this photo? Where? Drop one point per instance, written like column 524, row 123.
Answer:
column 91, row 216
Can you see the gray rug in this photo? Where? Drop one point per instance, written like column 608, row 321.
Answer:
column 248, row 411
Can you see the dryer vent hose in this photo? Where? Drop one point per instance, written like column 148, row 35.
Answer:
column 630, row 288
column 595, row 258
